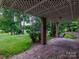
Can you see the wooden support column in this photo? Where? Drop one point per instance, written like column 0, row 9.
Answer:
column 57, row 29
column 43, row 30
column 0, row 2
column 54, row 29
column 78, row 27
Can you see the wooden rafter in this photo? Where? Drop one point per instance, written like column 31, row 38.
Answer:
column 35, row 5
column 52, row 12
column 45, row 8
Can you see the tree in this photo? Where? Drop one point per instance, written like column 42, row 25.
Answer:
column 7, row 22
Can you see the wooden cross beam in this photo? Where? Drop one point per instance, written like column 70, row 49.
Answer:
column 35, row 5
column 47, row 9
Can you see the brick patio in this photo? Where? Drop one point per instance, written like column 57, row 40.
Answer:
column 55, row 49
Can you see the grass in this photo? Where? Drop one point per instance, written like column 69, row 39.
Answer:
column 13, row 44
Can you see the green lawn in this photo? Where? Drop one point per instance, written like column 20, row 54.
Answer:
column 10, row 45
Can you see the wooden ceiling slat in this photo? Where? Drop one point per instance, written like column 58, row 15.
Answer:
column 4, row 2
column 46, row 8
column 65, row 10
column 51, row 13
column 13, row 3
column 35, row 5
column 74, row 8
column 59, row 5
column 18, row 4
column 70, row 3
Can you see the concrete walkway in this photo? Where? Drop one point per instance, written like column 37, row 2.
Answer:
column 55, row 49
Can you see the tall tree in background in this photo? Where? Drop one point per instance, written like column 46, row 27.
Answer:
column 7, row 22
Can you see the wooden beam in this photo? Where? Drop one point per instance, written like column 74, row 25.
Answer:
column 13, row 3
column 35, row 5
column 46, row 13
column 54, row 29
column 47, row 9
column 43, row 30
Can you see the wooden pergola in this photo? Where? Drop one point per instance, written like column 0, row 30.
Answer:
column 46, row 10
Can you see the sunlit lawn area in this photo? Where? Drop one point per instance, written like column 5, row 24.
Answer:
column 13, row 44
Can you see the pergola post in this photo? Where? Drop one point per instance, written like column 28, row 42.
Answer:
column 43, row 30
column 54, row 29
column 0, row 2
column 57, row 29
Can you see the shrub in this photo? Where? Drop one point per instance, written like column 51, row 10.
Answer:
column 71, row 36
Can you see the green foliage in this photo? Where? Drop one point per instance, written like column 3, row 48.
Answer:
column 71, row 36
column 74, row 26
column 34, row 29
column 7, row 22
column 69, row 26
column 63, row 27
